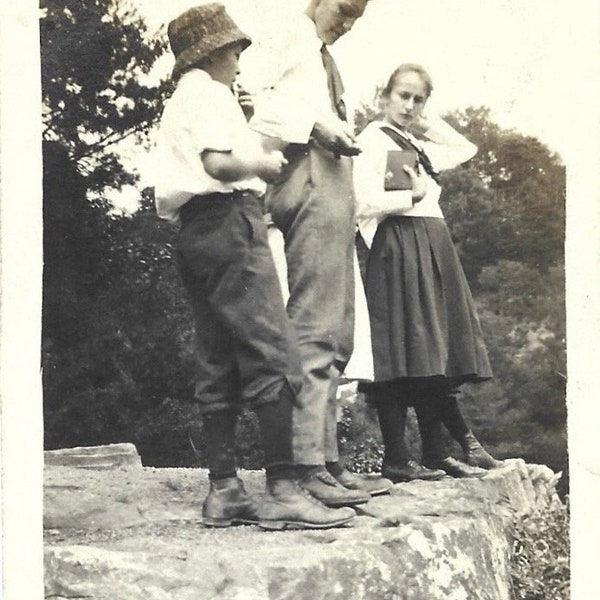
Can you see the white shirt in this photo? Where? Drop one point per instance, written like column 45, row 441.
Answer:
column 446, row 149
column 202, row 114
column 291, row 92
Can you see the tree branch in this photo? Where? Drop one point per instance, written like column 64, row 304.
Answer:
column 110, row 139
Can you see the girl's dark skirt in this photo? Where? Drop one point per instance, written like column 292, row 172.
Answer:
column 424, row 323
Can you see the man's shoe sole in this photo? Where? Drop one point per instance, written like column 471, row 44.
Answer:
column 409, row 479
column 283, row 525
column 212, row 522
column 333, row 503
column 376, row 492
column 341, row 503
column 382, row 490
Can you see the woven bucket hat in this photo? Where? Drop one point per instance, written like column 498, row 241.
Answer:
column 199, row 31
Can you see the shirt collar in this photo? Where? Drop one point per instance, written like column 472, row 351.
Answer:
column 200, row 75
column 306, row 28
column 402, row 132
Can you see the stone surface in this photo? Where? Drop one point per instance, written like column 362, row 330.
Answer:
column 130, row 534
column 95, row 457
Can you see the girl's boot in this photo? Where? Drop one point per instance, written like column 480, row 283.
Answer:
column 476, row 455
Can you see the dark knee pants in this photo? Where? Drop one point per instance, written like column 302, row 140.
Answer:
column 314, row 207
column 245, row 345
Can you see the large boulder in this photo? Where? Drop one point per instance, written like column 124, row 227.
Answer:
column 95, row 457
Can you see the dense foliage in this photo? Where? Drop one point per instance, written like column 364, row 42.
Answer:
column 540, row 565
column 115, row 325
column 117, row 343
column 506, row 212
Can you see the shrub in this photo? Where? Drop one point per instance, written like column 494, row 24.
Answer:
column 359, row 438
column 540, row 567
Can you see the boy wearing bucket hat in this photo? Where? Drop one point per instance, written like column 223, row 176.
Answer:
column 208, row 180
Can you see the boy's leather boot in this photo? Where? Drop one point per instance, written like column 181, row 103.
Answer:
column 287, row 506
column 228, row 504
column 476, row 455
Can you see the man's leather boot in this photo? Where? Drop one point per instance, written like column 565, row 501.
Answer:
column 228, row 504
column 374, row 486
column 324, row 487
column 287, row 506
column 476, row 455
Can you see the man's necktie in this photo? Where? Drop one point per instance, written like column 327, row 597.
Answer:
column 334, row 83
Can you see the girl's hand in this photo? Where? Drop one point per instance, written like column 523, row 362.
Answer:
column 419, row 183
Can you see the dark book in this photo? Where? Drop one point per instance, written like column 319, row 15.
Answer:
column 396, row 178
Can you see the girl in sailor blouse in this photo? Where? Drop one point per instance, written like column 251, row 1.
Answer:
column 426, row 336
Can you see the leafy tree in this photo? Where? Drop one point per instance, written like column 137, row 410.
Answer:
column 95, row 54
column 116, row 336
column 368, row 111
column 112, row 314
column 524, row 184
column 505, row 209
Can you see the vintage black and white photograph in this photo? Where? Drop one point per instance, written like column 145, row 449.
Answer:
column 300, row 279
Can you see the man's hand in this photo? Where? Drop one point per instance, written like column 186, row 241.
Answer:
column 336, row 137
column 419, row 183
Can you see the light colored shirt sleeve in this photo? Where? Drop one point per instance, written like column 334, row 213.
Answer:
column 445, row 147
column 201, row 115
column 209, row 130
column 290, row 92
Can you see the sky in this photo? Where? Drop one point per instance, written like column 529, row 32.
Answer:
column 508, row 55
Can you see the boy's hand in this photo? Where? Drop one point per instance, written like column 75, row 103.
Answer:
column 244, row 100
column 271, row 165
column 419, row 183
column 336, row 137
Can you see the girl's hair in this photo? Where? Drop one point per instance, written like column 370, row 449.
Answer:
column 408, row 68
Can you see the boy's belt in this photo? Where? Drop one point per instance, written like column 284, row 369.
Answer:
column 199, row 202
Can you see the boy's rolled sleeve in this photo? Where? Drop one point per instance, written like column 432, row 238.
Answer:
column 212, row 131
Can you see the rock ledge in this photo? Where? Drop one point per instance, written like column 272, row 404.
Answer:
column 134, row 533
